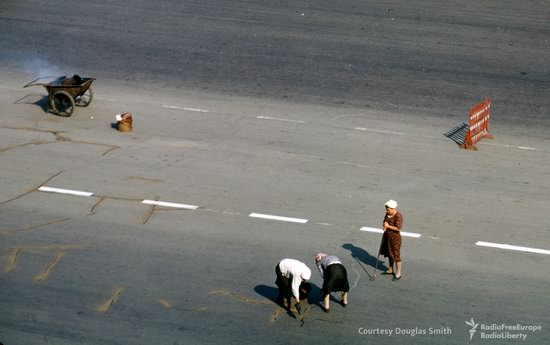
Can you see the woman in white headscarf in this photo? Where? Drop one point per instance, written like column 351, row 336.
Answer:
column 335, row 278
column 391, row 241
column 292, row 276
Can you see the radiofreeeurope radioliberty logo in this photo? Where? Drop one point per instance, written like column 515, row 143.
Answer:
column 502, row 331
column 473, row 326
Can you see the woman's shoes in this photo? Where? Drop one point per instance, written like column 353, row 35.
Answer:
column 386, row 273
column 343, row 304
column 396, row 278
column 326, row 310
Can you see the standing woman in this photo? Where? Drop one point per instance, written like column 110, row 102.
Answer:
column 335, row 278
column 391, row 240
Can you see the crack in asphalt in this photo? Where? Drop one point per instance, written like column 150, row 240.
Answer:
column 33, row 190
column 49, row 268
column 5, row 232
column 238, row 297
column 149, row 214
column 59, row 136
column 105, row 307
column 12, row 260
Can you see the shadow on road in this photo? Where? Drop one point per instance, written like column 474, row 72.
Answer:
column 38, row 100
column 271, row 293
column 363, row 257
column 458, row 134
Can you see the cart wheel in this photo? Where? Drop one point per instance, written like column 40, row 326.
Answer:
column 85, row 99
column 62, row 103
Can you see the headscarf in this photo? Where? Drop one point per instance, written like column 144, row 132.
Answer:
column 391, row 204
column 319, row 256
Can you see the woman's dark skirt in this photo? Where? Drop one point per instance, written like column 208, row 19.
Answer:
column 335, row 278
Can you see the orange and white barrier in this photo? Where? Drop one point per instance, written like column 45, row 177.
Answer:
column 479, row 124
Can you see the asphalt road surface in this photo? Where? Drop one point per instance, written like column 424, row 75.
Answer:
column 267, row 130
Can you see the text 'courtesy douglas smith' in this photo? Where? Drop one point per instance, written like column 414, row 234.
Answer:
column 412, row 332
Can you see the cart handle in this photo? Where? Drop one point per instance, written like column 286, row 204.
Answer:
column 33, row 83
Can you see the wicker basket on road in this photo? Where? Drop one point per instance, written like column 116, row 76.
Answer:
column 124, row 122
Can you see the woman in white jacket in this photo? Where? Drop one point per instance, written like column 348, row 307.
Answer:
column 291, row 281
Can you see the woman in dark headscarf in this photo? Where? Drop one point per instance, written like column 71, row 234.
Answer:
column 335, row 278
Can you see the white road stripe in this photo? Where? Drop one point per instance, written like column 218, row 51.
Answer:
column 527, row 148
column 169, row 204
column 185, row 108
column 284, row 219
column 278, row 119
column 64, row 191
column 510, row 247
column 380, row 231
column 378, row 131
column 101, row 98
column 511, row 146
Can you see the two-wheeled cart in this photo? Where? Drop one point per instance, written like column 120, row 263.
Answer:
column 64, row 93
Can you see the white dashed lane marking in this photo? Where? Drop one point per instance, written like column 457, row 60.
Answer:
column 380, row 231
column 378, row 131
column 175, row 107
column 169, row 204
column 510, row 247
column 278, row 119
column 527, row 148
column 64, row 191
column 284, row 219
column 364, row 129
column 102, row 98
column 296, row 220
